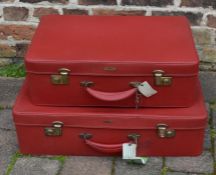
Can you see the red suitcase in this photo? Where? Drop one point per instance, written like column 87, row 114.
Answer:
column 101, row 131
column 99, row 61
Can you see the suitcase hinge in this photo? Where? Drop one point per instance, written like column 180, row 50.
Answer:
column 164, row 132
column 134, row 84
column 86, row 83
column 134, row 137
column 55, row 130
column 62, row 77
column 85, row 136
column 160, row 79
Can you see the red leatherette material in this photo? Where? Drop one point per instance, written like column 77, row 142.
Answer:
column 109, row 128
column 112, row 51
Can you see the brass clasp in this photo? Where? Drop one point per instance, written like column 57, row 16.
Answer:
column 160, row 79
column 164, row 132
column 55, row 130
column 62, row 77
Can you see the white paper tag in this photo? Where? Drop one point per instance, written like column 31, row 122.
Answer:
column 146, row 89
column 129, row 151
column 138, row 160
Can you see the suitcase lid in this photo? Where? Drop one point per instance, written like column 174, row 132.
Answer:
column 113, row 45
column 27, row 114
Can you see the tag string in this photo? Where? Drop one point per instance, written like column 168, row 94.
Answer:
column 137, row 99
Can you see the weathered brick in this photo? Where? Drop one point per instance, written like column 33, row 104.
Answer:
column 203, row 66
column 202, row 36
column 118, row 12
column 75, row 12
column 147, row 2
column 93, row 2
column 208, row 54
column 39, row 12
column 21, row 50
column 18, row 32
column 7, row 0
column 51, row 1
column 194, row 18
column 15, row 13
column 5, row 61
column 211, row 21
column 7, row 51
column 199, row 3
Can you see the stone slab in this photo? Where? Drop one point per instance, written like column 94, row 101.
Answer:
column 6, row 120
column 176, row 173
column 152, row 167
column 9, row 88
column 8, row 147
column 208, row 82
column 87, row 166
column 35, row 166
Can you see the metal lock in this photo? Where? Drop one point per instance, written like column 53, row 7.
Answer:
column 62, row 77
column 134, row 84
column 55, row 130
column 160, row 79
column 134, row 137
column 164, row 132
column 85, row 136
column 86, row 83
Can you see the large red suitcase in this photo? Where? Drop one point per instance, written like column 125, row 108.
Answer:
column 99, row 61
column 101, row 131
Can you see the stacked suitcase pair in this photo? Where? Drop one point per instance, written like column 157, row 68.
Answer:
column 94, row 83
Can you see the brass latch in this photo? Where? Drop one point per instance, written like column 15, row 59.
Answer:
column 160, row 79
column 62, row 77
column 55, row 130
column 164, row 132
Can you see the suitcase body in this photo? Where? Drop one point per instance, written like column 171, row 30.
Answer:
column 99, row 61
column 101, row 131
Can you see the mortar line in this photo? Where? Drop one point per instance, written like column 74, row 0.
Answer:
column 211, row 125
column 113, row 166
column 164, row 168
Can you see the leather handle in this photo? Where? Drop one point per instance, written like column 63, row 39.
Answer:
column 111, row 96
column 105, row 148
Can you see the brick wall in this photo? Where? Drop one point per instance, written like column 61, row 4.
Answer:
column 19, row 19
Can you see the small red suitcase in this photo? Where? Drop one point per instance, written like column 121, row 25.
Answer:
column 101, row 131
column 99, row 61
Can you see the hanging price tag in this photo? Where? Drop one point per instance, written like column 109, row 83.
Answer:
column 138, row 160
column 129, row 153
column 129, row 150
column 146, row 89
